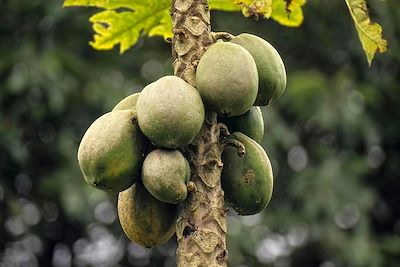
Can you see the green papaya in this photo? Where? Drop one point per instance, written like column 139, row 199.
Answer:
column 271, row 70
column 250, row 123
column 145, row 220
column 128, row 103
column 170, row 112
column 164, row 173
column 110, row 154
column 247, row 181
column 227, row 79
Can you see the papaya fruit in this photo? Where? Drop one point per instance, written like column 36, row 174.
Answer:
column 250, row 123
column 128, row 103
column 227, row 79
column 164, row 173
column 145, row 220
column 271, row 70
column 110, row 154
column 170, row 112
column 247, row 181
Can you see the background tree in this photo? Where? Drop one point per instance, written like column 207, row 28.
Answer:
column 348, row 159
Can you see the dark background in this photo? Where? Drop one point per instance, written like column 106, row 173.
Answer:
column 333, row 139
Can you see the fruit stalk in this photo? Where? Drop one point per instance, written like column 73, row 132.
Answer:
column 201, row 224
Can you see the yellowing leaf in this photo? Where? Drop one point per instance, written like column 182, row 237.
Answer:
column 370, row 34
column 123, row 21
column 225, row 5
column 291, row 15
column 106, row 4
column 255, row 7
column 293, row 4
column 164, row 28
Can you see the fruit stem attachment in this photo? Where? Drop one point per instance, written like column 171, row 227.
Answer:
column 241, row 150
column 225, row 36
column 191, row 187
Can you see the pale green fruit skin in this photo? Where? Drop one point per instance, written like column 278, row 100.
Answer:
column 271, row 70
column 247, row 181
column 227, row 79
column 145, row 220
column 164, row 173
column 170, row 112
column 250, row 123
column 128, row 103
column 111, row 151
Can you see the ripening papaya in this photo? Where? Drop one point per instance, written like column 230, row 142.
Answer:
column 110, row 154
column 170, row 112
column 247, row 181
column 164, row 173
column 227, row 79
column 128, row 103
column 271, row 70
column 250, row 123
column 144, row 219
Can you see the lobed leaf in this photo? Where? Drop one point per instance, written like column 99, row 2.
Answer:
column 255, row 7
column 106, row 4
column 293, row 4
column 225, row 5
column 370, row 34
column 288, row 13
column 122, row 22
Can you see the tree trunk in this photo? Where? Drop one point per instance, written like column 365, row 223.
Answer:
column 201, row 225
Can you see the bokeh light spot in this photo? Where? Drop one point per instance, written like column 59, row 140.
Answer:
column 50, row 211
column 297, row 158
column 152, row 70
column 30, row 214
column 15, row 225
column 376, row 156
column 23, row 184
column 105, row 212
column 348, row 217
column 62, row 256
column 298, row 235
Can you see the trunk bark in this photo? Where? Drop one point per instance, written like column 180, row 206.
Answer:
column 201, row 225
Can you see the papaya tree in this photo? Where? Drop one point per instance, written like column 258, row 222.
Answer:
column 173, row 149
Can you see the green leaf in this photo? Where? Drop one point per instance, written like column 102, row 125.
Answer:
column 106, row 4
column 370, row 34
column 293, row 4
column 124, row 21
column 225, row 5
column 255, row 7
column 288, row 13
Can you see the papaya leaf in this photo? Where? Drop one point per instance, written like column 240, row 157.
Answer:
column 255, row 7
column 292, row 4
column 288, row 12
column 370, row 34
column 124, row 21
column 106, row 4
column 225, row 5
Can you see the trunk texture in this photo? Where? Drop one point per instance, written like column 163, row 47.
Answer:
column 201, row 225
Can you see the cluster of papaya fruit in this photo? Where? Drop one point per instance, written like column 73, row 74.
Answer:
column 134, row 149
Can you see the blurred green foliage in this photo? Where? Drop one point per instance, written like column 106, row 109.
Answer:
column 333, row 139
